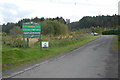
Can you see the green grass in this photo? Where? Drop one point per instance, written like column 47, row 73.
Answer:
column 0, row 52
column 12, row 57
column 116, row 45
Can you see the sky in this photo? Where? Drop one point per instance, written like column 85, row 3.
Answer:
column 15, row 10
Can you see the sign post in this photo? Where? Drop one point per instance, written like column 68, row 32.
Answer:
column 30, row 30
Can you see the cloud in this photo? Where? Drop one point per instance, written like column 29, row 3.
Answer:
column 12, row 10
column 11, row 13
column 119, row 8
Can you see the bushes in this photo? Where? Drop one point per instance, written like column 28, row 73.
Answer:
column 97, row 29
column 53, row 28
column 111, row 32
column 118, row 37
column 63, row 42
column 17, row 43
column 13, row 41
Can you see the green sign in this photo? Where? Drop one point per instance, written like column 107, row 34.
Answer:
column 31, row 29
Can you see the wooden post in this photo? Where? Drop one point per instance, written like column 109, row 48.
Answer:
column 24, row 44
column 28, row 42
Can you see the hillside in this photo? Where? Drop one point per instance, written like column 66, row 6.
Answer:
column 101, row 21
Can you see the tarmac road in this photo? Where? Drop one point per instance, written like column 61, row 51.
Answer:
column 97, row 59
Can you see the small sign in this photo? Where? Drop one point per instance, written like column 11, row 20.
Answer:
column 45, row 44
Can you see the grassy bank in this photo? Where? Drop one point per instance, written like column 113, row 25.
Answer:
column 12, row 57
column 0, row 52
column 116, row 45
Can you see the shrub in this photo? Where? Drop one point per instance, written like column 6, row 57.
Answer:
column 111, row 32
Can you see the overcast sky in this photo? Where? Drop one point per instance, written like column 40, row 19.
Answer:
column 15, row 10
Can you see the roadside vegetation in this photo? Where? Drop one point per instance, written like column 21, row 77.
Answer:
column 13, row 56
column 0, row 51
column 60, row 39
column 116, row 43
column 61, row 35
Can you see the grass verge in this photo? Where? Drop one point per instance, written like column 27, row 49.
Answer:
column 12, row 57
column 116, row 45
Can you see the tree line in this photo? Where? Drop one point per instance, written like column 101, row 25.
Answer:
column 50, row 23
column 94, row 21
column 7, row 27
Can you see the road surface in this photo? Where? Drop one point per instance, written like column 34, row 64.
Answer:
column 97, row 59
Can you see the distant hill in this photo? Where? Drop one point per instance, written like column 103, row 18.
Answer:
column 101, row 21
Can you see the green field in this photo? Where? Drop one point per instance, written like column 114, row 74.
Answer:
column 12, row 57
